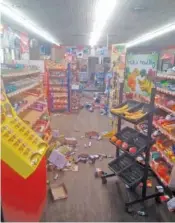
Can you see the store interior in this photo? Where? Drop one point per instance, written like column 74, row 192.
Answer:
column 87, row 111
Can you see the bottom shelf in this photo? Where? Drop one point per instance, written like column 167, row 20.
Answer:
column 133, row 175
column 130, row 172
column 157, row 174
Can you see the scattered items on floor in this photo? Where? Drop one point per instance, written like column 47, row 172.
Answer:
column 55, row 133
column 102, row 155
column 59, row 191
column 97, row 97
column 98, row 172
column 50, row 167
column 56, row 176
column 164, row 198
column 58, row 159
column 91, row 109
column 76, row 130
column 110, row 156
column 92, row 135
column 57, row 114
column 102, row 111
column 90, row 144
column 65, row 149
column 74, row 168
column 83, row 155
column 88, row 105
column 99, row 138
column 171, row 204
column 71, row 141
column 142, row 213
column 61, row 139
column 85, row 146
column 93, row 158
column 149, row 183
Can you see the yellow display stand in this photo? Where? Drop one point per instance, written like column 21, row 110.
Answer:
column 22, row 149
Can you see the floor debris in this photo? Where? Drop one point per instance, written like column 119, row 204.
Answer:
column 59, row 191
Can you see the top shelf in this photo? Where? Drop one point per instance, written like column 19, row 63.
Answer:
column 162, row 90
column 167, row 76
column 133, row 107
column 20, row 74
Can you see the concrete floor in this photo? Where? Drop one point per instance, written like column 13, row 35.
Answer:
column 88, row 199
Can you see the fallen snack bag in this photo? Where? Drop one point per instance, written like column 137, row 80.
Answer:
column 92, row 135
column 71, row 141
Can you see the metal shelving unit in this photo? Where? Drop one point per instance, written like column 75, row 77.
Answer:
column 137, row 170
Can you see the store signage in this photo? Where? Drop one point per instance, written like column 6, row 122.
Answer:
column 101, row 51
column 140, row 73
column 75, row 87
column 118, row 54
column 24, row 43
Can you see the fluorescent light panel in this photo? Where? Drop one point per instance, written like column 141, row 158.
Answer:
column 103, row 11
column 152, row 35
column 20, row 18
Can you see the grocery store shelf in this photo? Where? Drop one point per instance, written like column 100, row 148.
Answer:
column 58, row 76
column 55, row 91
column 30, row 101
column 164, row 155
column 162, row 90
column 60, row 85
column 33, row 116
column 166, row 76
column 11, row 94
column 146, row 100
column 19, row 74
column 163, row 131
column 165, row 109
column 158, row 175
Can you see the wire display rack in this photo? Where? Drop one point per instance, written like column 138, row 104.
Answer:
column 132, row 173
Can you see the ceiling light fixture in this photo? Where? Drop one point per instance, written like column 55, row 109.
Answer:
column 18, row 16
column 152, row 35
column 103, row 11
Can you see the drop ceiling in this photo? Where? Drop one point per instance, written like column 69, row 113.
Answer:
column 71, row 21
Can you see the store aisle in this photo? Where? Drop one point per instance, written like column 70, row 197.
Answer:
column 88, row 199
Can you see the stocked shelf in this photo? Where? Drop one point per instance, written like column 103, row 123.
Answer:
column 157, row 174
column 164, row 155
column 165, row 108
column 130, row 141
column 58, row 85
column 11, row 94
column 30, row 101
column 33, row 115
column 163, row 131
column 20, row 74
column 165, row 91
column 168, row 76
column 132, row 111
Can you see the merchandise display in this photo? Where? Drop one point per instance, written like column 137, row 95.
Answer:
column 57, row 87
column 157, row 136
column 22, row 149
column 131, row 110
column 76, row 108
column 166, row 86
column 23, row 87
column 75, row 90
column 87, row 93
